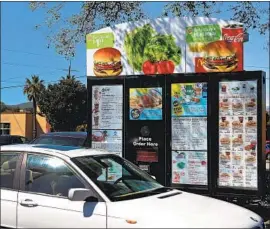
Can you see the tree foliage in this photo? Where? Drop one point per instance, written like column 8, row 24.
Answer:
column 3, row 106
column 66, row 31
column 64, row 104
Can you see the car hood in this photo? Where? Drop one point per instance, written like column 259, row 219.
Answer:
column 183, row 210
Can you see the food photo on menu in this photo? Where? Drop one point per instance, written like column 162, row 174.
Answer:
column 251, row 105
column 237, row 124
column 237, row 158
column 237, row 106
column 224, row 176
column 225, row 158
column 225, row 106
column 225, row 141
column 237, row 140
column 251, row 124
column 224, row 123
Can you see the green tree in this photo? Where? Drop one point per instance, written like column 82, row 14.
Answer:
column 65, row 104
column 34, row 88
column 65, row 32
column 3, row 106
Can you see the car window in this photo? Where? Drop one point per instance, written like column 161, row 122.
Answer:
column 50, row 175
column 60, row 140
column 8, row 166
column 23, row 140
column 4, row 140
column 43, row 140
column 16, row 140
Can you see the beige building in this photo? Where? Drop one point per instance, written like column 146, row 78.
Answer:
column 21, row 123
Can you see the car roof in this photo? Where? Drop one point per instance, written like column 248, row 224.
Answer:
column 55, row 150
column 66, row 134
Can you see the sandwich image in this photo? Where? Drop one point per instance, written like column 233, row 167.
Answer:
column 225, row 141
column 237, row 105
column 225, row 175
column 237, row 141
column 250, row 159
column 251, row 104
column 224, row 158
column 237, row 157
column 219, row 56
column 237, row 124
column 251, row 123
column 224, row 124
column 107, row 62
column 224, row 105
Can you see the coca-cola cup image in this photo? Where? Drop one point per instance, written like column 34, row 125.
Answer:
column 96, row 107
column 223, row 88
column 234, row 34
column 241, row 119
column 96, row 120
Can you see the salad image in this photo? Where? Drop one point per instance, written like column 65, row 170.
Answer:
column 151, row 52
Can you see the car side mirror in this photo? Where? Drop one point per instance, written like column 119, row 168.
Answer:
column 80, row 194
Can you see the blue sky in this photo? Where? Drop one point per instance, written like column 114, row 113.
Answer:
column 24, row 51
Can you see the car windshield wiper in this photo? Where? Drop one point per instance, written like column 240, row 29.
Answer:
column 160, row 190
column 143, row 193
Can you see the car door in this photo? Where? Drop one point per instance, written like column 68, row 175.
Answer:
column 43, row 202
column 10, row 165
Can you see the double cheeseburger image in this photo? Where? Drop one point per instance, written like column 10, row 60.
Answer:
column 219, row 56
column 107, row 62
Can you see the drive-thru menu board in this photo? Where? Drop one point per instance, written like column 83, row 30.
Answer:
column 189, row 133
column 238, row 134
column 107, row 116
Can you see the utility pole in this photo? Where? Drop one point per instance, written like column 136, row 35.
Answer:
column 69, row 68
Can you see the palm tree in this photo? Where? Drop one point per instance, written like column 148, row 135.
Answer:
column 33, row 88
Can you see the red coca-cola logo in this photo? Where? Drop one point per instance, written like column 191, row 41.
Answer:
column 234, row 38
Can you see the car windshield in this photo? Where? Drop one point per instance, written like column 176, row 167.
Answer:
column 118, row 178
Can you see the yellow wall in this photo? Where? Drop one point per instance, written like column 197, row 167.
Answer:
column 21, row 123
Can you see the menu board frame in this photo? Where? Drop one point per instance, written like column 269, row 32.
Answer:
column 91, row 83
column 212, row 79
column 258, row 76
column 187, row 79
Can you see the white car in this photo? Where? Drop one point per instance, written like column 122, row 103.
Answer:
column 46, row 186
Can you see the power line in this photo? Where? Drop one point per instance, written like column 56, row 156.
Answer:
column 30, row 53
column 53, row 81
column 252, row 66
column 20, row 77
column 35, row 66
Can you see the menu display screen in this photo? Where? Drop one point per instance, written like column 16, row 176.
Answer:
column 107, row 105
column 189, row 167
column 189, row 133
column 145, row 103
column 238, row 134
column 107, row 118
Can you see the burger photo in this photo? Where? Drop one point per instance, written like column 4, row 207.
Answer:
column 237, row 124
column 219, row 56
column 107, row 62
column 237, row 141
column 237, row 104
column 225, row 141
column 225, row 175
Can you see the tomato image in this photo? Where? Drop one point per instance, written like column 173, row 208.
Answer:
column 165, row 67
column 149, row 67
